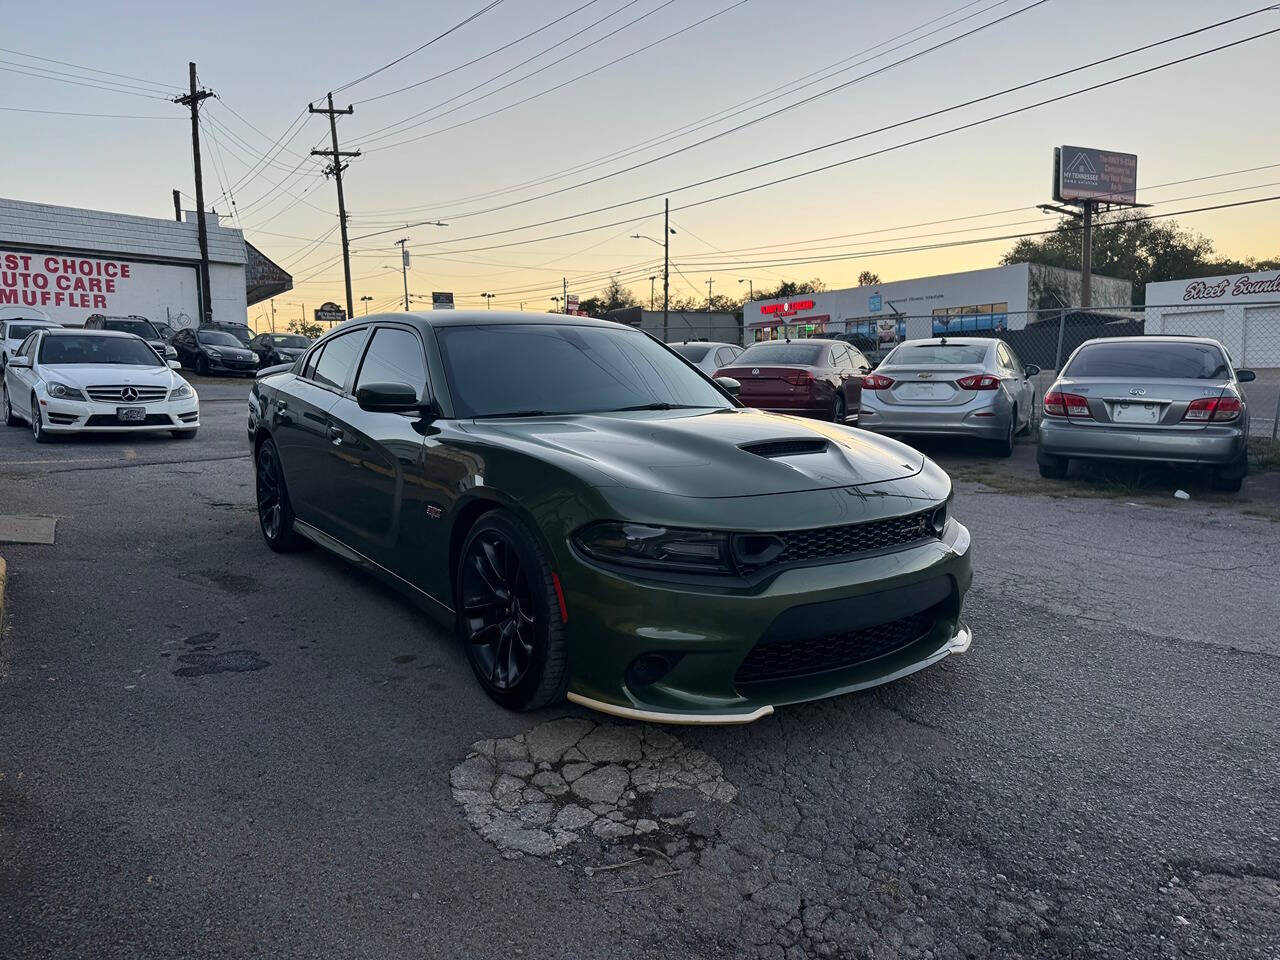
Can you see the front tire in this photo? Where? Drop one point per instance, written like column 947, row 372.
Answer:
column 202, row 365
column 37, row 424
column 10, row 418
column 275, row 512
column 509, row 615
column 839, row 412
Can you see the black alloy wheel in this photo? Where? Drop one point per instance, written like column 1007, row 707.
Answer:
column 275, row 514
column 509, row 615
column 838, row 414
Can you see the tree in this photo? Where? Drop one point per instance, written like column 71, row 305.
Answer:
column 789, row 288
column 1140, row 251
column 306, row 328
column 868, row 279
column 613, row 297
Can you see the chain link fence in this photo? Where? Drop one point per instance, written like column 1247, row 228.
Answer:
column 1046, row 338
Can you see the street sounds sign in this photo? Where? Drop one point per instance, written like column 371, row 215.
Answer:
column 330, row 313
column 441, row 301
column 1083, row 173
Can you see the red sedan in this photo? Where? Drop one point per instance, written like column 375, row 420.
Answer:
column 809, row 378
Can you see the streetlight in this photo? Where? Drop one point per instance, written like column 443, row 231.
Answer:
column 751, row 289
column 556, row 301
column 667, row 232
column 366, row 300
column 488, row 298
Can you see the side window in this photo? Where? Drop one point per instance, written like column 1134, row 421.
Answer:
column 309, row 371
column 860, row 362
column 841, row 355
column 338, row 358
column 1007, row 362
column 724, row 356
column 28, row 346
column 394, row 356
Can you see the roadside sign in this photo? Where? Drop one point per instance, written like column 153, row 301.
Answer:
column 875, row 303
column 441, row 301
column 330, row 313
column 1083, row 173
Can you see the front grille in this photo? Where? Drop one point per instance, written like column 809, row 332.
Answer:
column 113, row 394
column 110, row 420
column 781, row 659
column 825, row 543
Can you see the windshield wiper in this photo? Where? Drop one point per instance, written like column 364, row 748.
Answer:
column 658, row 405
column 514, row 413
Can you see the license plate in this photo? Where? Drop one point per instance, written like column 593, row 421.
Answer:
column 923, row 391
column 1136, row 413
column 131, row 414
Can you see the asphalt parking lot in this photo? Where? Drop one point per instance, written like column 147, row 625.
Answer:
column 209, row 750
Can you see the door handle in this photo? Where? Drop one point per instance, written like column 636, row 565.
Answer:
column 335, row 434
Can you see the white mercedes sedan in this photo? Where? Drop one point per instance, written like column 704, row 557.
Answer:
column 64, row 381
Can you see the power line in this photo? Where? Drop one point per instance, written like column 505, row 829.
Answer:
column 80, row 83
column 387, row 66
column 884, row 150
column 760, row 119
column 485, row 56
column 164, row 87
column 74, row 113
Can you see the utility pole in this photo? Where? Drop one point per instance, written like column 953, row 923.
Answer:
column 193, row 100
column 666, row 265
column 336, row 166
column 177, row 206
column 708, row 294
column 273, row 314
column 564, row 283
column 1086, row 257
column 651, row 279
column 404, row 269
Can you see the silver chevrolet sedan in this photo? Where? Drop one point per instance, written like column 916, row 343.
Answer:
column 956, row 386
column 1167, row 399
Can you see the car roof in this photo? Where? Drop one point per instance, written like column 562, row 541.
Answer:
column 1155, row 338
column 28, row 321
column 81, row 332
column 479, row 318
column 952, row 341
column 701, row 343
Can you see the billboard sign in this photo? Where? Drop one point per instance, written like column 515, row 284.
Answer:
column 441, row 300
column 875, row 303
column 330, row 313
column 1083, row 173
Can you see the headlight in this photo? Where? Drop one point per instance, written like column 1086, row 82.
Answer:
column 180, row 392
column 60, row 391
column 213, row 353
column 640, row 545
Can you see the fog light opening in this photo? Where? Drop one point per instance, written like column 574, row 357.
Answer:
column 649, row 668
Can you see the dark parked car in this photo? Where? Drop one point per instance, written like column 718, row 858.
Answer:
column 138, row 326
column 276, row 348
column 601, row 521
column 213, row 351
column 238, row 330
column 810, row 378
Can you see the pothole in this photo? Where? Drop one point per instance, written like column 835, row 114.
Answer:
column 572, row 779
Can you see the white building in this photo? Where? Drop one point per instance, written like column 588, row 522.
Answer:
column 997, row 298
column 71, row 263
column 1241, row 310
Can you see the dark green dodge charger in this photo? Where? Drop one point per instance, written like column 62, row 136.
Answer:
column 601, row 520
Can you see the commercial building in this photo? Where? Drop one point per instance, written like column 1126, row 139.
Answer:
column 719, row 327
column 999, row 298
column 1241, row 310
column 70, row 263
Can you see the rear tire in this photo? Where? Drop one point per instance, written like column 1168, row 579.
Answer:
column 275, row 512
column 1052, row 467
column 839, row 412
column 509, row 615
column 10, row 418
column 1231, row 479
column 1004, row 447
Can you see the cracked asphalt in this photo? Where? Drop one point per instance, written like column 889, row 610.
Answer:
column 207, row 750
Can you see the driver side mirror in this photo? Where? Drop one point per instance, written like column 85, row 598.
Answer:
column 20, row 363
column 174, row 365
column 394, row 398
column 1030, row 370
column 1244, row 376
column 729, row 386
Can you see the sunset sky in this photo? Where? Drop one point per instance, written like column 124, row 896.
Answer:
column 266, row 61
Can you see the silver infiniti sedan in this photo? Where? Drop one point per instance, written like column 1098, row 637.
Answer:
column 1168, row 399
column 956, row 386
column 707, row 356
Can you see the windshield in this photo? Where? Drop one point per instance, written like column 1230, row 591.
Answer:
column 20, row 331
column 142, row 328
column 528, row 368
column 86, row 348
column 292, row 343
column 693, row 352
column 1142, row 361
column 773, row 353
column 218, row 338
column 909, row 354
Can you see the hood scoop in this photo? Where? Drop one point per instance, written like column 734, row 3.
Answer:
column 785, row 448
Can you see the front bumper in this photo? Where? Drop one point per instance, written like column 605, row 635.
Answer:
column 1215, row 444
column 237, row 367
column 710, row 630
column 74, row 416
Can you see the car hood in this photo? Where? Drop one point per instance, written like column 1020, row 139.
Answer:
column 732, row 453
column 115, row 374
